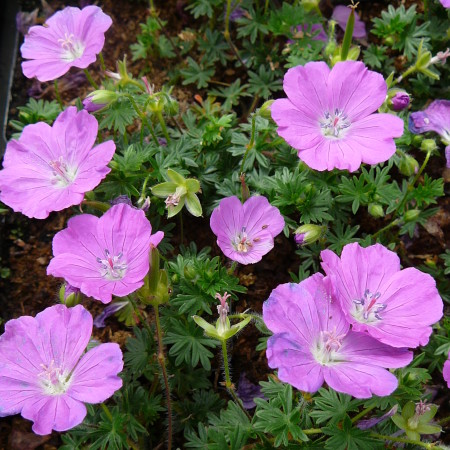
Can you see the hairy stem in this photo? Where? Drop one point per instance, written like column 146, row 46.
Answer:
column 163, row 125
column 250, row 145
column 90, row 79
column 58, row 97
column 362, row 413
column 102, row 61
column 162, row 362
column 143, row 117
column 404, row 440
column 107, row 411
column 227, row 34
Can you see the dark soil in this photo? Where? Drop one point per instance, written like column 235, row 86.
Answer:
column 26, row 244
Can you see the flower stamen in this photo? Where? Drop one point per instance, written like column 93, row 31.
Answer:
column 111, row 266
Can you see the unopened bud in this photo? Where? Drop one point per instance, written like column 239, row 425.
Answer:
column 69, row 295
column 103, row 97
column 376, row 210
column 428, row 145
column 408, row 166
column 309, row 233
column 264, row 111
column 412, row 215
column 399, row 101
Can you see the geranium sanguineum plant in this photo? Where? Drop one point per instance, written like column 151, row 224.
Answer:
column 71, row 38
column 44, row 374
column 394, row 306
column 245, row 232
column 330, row 116
column 313, row 343
column 49, row 168
column 105, row 256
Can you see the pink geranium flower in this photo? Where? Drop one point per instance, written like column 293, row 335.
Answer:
column 396, row 307
column 341, row 14
column 72, row 38
column 313, row 343
column 51, row 168
column 446, row 371
column 44, row 374
column 245, row 232
column 104, row 256
column 330, row 116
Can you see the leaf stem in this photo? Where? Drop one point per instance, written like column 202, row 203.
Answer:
column 58, row 97
column 102, row 61
column 250, row 145
column 405, row 195
column 162, row 362
column 227, row 34
column 107, row 411
column 362, row 413
column 404, row 440
column 313, row 431
column 90, row 79
column 163, row 125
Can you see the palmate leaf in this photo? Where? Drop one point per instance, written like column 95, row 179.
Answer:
column 346, row 437
column 279, row 417
column 331, row 406
column 200, row 74
column 120, row 115
column 189, row 344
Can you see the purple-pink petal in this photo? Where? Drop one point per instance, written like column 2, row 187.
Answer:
column 446, row 371
column 95, row 377
column 330, row 116
column 40, row 366
column 246, row 232
column 72, row 38
column 50, row 168
column 104, row 256
column 342, row 13
column 434, row 118
column 396, row 307
column 312, row 343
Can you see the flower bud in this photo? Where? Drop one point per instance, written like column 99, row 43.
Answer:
column 428, row 145
column 376, row 210
column 90, row 106
column 412, row 215
column 264, row 111
column 309, row 233
column 103, row 97
column 69, row 295
column 399, row 101
column 408, row 166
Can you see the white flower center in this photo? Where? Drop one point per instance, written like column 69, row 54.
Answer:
column 71, row 48
column 53, row 380
column 334, row 124
column 326, row 348
column 62, row 174
column 242, row 243
column 112, row 268
column 367, row 309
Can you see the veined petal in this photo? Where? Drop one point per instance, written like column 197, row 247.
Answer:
column 95, row 377
column 356, row 90
column 295, row 365
column 360, row 380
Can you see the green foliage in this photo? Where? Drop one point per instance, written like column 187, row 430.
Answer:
column 279, row 417
column 188, row 344
column 200, row 74
column 332, row 407
column 35, row 111
column 400, row 31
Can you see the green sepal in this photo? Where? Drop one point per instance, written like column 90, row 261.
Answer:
column 178, row 179
column 192, row 185
column 193, row 205
column 164, row 189
column 173, row 211
column 210, row 330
